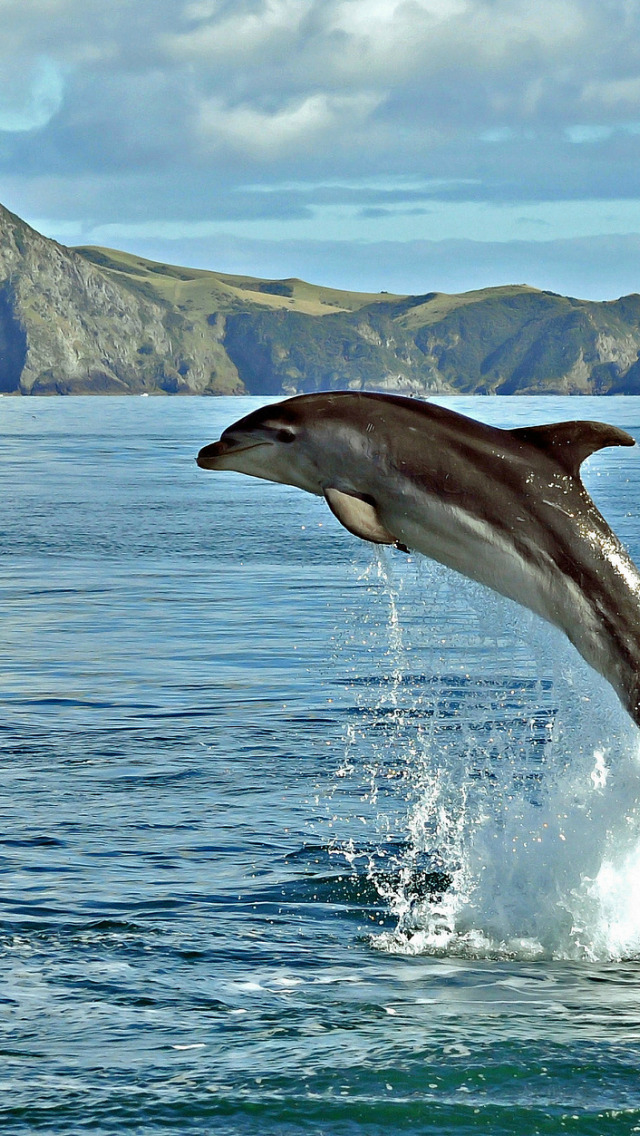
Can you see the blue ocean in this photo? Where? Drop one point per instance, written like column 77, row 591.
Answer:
column 298, row 836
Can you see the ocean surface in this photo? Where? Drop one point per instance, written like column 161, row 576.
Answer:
column 297, row 836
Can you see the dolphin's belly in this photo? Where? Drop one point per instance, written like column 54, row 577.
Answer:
column 472, row 546
column 525, row 567
column 513, row 563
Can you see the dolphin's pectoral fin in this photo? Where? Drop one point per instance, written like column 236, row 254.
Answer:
column 358, row 515
column 571, row 442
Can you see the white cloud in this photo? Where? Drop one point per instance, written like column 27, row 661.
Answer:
column 371, row 18
column 201, row 9
column 342, row 43
column 296, row 126
column 456, row 39
column 614, row 94
column 241, row 34
column 168, row 108
column 585, row 134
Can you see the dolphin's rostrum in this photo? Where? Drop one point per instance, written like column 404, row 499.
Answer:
column 505, row 507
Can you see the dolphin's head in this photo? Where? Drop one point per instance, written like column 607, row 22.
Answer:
column 270, row 444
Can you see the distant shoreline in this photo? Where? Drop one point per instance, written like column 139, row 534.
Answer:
column 96, row 321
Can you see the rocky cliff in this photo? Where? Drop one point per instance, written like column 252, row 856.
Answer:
column 68, row 326
column 97, row 321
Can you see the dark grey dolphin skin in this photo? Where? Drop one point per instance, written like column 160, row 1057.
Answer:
column 505, row 507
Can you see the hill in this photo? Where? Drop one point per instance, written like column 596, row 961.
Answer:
column 98, row 321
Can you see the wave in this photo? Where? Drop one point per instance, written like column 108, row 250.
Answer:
column 508, row 766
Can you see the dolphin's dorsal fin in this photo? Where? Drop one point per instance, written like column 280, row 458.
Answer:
column 358, row 515
column 569, row 443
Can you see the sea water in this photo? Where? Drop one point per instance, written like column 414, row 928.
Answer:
column 297, row 836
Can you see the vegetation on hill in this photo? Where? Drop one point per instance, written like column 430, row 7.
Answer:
column 94, row 320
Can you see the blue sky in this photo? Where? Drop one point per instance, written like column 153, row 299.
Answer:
column 407, row 145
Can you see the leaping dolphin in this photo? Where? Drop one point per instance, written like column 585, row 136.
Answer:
column 505, row 507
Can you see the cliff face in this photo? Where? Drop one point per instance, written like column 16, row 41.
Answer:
column 499, row 341
column 62, row 324
column 69, row 327
column 97, row 321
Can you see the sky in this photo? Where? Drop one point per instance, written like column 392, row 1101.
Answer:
column 400, row 145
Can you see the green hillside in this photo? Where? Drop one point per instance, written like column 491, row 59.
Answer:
column 95, row 320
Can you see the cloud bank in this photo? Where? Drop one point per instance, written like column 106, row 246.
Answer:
column 312, row 120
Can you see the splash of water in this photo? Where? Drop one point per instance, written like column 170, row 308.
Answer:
column 496, row 760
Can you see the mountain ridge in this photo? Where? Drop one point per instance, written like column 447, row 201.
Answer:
column 91, row 320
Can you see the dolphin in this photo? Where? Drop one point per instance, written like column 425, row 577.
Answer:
column 505, row 507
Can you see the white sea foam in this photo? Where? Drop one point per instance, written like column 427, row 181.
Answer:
column 520, row 780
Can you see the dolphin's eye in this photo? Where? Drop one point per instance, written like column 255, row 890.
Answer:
column 285, row 436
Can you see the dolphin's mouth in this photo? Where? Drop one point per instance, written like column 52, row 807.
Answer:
column 209, row 456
